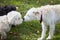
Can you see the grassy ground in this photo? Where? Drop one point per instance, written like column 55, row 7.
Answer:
column 29, row 30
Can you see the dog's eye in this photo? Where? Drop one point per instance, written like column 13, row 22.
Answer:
column 18, row 18
column 28, row 15
column 36, row 13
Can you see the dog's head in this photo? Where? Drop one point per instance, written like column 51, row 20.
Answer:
column 9, row 8
column 14, row 18
column 32, row 14
column 4, row 10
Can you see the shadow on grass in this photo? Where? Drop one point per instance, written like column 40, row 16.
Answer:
column 28, row 31
column 25, row 31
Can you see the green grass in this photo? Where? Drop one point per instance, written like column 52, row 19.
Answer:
column 29, row 30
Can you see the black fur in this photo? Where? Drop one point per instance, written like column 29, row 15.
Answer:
column 4, row 10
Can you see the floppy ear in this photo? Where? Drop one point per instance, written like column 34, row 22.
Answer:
column 36, row 13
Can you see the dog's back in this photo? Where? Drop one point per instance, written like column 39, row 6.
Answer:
column 52, row 11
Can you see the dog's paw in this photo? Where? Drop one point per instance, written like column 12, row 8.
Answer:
column 40, row 38
column 3, row 38
column 48, row 38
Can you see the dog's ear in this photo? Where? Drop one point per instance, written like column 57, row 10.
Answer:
column 36, row 13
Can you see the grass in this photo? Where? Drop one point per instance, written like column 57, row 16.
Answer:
column 29, row 30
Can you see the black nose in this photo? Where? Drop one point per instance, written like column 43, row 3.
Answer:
column 23, row 18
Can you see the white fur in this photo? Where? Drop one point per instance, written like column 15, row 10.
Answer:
column 50, row 16
column 12, row 18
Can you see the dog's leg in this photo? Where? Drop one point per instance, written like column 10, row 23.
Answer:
column 51, row 32
column 3, row 35
column 44, row 28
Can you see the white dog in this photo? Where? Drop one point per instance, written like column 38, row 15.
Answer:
column 48, row 15
column 12, row 18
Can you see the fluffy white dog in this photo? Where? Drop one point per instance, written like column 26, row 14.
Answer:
column 12, row 18
column 48, row 15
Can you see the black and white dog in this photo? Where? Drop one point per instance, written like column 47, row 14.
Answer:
column 8, row 17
